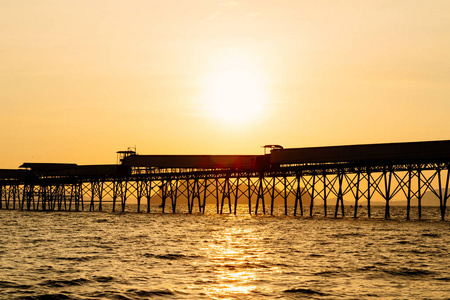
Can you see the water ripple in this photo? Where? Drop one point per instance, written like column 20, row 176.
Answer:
column 140, row 256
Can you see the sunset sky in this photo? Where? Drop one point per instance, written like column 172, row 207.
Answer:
column 83, row 79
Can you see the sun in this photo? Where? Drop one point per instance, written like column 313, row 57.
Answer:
column 235, row 90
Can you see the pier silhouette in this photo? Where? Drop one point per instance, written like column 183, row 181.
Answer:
column 309, row 176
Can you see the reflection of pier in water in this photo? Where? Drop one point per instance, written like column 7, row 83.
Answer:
column 304, row 178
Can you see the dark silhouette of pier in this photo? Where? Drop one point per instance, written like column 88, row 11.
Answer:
column 304, row 176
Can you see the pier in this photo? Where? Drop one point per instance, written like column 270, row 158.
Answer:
column 307, row 180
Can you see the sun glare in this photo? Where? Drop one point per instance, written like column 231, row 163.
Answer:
column 235, row 90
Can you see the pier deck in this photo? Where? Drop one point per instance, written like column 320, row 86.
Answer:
column 306, row 178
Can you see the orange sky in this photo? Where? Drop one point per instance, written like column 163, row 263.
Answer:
column 81, row 80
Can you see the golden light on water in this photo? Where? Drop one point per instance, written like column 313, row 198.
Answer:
column 233, row 257
column 236, row 286
column 235, row 89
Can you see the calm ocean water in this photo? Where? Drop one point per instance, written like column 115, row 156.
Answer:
column 92, row 255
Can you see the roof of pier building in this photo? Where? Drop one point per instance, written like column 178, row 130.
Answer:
column 64, row 169
column 409, row 152
column 47, row 167
column 12, row 174
column 191, row 161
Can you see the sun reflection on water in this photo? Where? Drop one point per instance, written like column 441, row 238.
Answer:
column 233, row 260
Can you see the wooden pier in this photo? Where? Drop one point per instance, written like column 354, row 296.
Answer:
column 306, row 180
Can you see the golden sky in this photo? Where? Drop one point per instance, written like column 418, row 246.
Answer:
column 80, row 80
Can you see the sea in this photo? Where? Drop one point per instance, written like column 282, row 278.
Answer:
column 131, row 255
